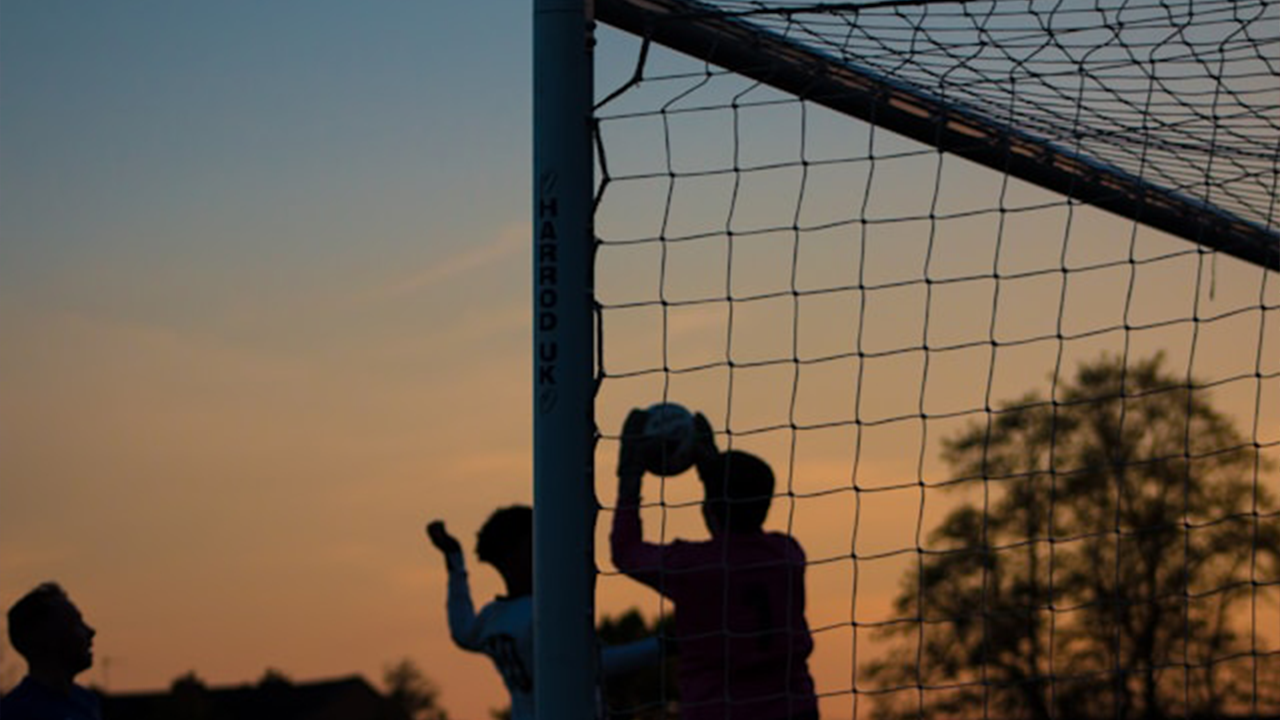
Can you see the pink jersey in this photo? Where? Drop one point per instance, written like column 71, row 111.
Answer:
column 739, row 619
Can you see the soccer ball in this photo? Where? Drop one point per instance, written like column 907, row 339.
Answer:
column 672, row 439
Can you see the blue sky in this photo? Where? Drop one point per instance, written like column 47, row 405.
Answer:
column 165, row 131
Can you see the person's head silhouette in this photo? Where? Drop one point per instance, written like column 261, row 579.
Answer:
column 47, row 629
column 738, row 492
column 506, row 543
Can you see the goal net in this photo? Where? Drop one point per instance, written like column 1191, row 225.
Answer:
column 992, row 285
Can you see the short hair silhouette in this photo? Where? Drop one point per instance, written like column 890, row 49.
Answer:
column 505, row 529
column 30, row 616
column 738, row 490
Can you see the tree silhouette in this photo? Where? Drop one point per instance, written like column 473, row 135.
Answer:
column 1112, row 566
column 188, row 698
column 647, row 693
column 408, row 687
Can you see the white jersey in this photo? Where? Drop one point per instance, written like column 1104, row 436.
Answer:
column 504, row 631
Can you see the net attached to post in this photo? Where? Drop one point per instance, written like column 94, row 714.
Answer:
column 992, row 286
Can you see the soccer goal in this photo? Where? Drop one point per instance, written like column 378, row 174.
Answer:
column 992, row 285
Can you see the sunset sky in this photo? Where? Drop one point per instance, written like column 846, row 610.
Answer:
column 264, row 300
column 264, row 306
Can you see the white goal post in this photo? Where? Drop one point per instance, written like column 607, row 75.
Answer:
column 563, row 374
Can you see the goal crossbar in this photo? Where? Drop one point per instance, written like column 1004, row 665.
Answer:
column 766, row 56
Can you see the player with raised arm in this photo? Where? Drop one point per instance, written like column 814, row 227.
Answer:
column 503, row 629
column 739, row 597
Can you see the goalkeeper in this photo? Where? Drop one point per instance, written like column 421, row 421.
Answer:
column 739, row 597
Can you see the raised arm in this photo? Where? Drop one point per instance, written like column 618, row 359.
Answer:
column 631, row 555
column 463, row 626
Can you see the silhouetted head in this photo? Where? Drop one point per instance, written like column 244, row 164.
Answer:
column 506, row 540
column 47, row 629
column 738, row 490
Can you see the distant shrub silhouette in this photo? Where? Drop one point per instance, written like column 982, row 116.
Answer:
column 646, row 694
